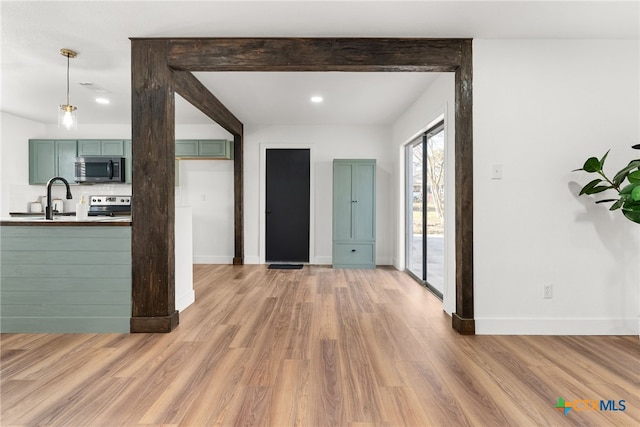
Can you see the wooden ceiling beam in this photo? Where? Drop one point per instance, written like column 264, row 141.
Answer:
column 191, row 89
column 314, row 54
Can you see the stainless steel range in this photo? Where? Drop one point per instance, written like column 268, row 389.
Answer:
column 109, row 205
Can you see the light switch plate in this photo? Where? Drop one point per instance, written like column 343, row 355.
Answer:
column 496, row 171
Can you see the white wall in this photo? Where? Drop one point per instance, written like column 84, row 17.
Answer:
column 207, row 186
column 15, row 191
column 326, row 143
column 540, row 109
column 435, row 104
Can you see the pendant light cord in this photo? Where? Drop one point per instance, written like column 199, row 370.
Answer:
column 67, row 79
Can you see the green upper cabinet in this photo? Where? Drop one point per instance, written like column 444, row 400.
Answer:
column 214, row 148
column 186, row 148
column 101, row 147
column 89, row 147
column 49, row 158
column 204, row 149
column 112, row 147
column 65, row 159
column 127, row 161
column 42, row 163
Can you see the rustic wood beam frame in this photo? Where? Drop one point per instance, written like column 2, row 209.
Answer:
column 281, row 54
column 199, row 96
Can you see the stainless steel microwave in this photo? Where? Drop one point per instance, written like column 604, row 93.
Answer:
column 99, row 169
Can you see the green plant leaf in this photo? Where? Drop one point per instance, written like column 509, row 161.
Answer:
column 591, row 165
column 627, row 189
column 635, row 193
column 589, row 186
column 631, row 205
column 616, row 205
column 632, row 216
column 634, row 177
column 601, row 162
column 598, row 189
column 622, row 174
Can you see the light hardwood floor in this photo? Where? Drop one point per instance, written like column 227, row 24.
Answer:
column 314, row 347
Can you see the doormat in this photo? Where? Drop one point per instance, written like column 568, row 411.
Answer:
column 285, row 266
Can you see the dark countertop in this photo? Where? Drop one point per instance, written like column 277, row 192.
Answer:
column 39, row 214
column 68, row 220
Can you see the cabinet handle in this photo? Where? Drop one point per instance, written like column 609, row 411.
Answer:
column 353, row 250
column 354, row 201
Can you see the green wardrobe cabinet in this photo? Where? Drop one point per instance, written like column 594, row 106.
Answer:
column 49, row 158
column 354, row 213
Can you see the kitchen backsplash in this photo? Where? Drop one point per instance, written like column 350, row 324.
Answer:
column 21, row 201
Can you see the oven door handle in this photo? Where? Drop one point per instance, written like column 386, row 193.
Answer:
column 110, row 169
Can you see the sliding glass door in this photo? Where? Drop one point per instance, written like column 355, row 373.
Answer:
column 415, row 220
column 425, row 208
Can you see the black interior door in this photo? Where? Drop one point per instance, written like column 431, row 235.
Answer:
column 287, row 205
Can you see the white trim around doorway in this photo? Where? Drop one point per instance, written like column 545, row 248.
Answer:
column 449, row 291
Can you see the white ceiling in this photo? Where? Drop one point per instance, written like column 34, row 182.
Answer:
column 33, row 72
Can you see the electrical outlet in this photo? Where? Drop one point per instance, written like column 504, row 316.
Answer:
column 548, row 291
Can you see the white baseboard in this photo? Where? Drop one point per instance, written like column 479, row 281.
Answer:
column 213, row 260
column 323, row 260
column 319, row 260
column 511, row 326
column 387, row 260
column 252, row 260
column 328, row 260
column 185, row 300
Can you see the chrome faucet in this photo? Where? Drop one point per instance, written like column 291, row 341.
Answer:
column 49, row 209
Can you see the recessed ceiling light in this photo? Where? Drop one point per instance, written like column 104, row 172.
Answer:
column 316, row 99
column 102, row 100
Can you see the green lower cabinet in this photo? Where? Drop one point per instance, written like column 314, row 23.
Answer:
column 49, row 158
column 55, row 280
column 354, row 213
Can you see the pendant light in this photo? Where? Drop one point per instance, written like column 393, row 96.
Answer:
column 67, row 114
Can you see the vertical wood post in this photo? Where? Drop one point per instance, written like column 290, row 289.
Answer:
column 238, row 199
column 153, row 201
column 463, row 318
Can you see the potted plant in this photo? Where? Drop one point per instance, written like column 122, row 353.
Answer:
column 626, row 183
